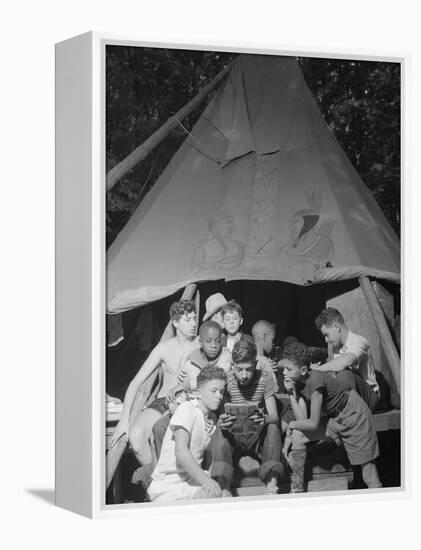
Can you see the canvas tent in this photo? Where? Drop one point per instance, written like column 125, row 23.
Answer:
column 261, row 203
column 261, row 190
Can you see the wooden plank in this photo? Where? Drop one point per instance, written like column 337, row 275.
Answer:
column 351, row 302
column 115, row 453
column 120, row 169
column 390, row 420
column 249, row 491
column 386, row 338
column 328, row 484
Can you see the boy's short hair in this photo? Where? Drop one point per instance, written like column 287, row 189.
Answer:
column 328, row 316
column 178, row 309
column 232, row 307
column 244, row 351
column 210, row 373
column 209, row 324
column 297, row 353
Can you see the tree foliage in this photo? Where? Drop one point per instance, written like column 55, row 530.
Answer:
column 360, row 101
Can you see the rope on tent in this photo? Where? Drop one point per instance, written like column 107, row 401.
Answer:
column 202, row 150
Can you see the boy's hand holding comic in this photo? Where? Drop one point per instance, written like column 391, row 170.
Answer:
column 257, row 417
column 225, row 421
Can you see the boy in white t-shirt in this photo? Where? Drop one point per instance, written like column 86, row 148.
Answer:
column 178, row 474
column 351, row 352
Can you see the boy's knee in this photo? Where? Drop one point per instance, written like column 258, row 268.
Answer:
column 273, row 429
column 137, row 437
column 298, row 440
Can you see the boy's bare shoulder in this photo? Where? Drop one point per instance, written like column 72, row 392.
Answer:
column 173, row 344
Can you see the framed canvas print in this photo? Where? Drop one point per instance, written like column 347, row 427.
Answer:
column 228, row 275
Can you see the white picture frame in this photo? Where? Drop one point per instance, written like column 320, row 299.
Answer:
column 81, row 274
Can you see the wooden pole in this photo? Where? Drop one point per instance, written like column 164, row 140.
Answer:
column 385, row 336
column 120, row 169
column 197, row 304
column 115, row 453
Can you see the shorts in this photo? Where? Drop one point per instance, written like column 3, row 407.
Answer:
column 160, row 405
column 353, row 428
column 172, row 488
column 158, row 431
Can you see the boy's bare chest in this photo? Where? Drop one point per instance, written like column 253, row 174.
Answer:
column 173, row 355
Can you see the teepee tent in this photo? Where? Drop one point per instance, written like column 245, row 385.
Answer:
column 260, row 189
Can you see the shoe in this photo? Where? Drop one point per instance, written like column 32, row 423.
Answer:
column 226, row 494
column 271, row 490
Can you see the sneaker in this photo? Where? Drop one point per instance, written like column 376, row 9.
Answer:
column 271, row 490
column 226, row 494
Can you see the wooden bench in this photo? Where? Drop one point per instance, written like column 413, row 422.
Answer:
column 323, row 473
column 326, row 470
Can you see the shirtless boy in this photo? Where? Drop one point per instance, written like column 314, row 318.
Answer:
column 169, row 355
column 264, row 334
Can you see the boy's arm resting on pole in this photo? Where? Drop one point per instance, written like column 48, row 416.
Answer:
column 338, row 364
column 310, row 424
column 190, row 466
column 146, row 370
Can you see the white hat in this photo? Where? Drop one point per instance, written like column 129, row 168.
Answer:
column 213, row 304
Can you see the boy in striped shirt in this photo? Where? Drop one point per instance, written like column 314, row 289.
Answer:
column 260, row 437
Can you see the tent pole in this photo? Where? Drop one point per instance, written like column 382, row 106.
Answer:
column 115, row 453
column 120, row 169
column 385, row 336
column 197, row 304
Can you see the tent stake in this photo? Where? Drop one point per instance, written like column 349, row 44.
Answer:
column 115, row 453
column 385, row 336
column 120, row 169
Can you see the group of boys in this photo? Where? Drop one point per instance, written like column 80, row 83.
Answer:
column 218, row 403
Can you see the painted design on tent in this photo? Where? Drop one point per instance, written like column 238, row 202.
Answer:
column 261, row 240
column 220, row 250
column 310, row 241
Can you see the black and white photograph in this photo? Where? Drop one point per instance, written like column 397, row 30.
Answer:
column 253, row 277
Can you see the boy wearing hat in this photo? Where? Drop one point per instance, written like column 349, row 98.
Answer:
column 214, row 304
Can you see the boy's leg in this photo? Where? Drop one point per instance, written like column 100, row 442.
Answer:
column 297, row 461
column 298, row 454
column 140, row 433
column 272, row 469
column 354, row 426
column 371, row 475
column 222, row 470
